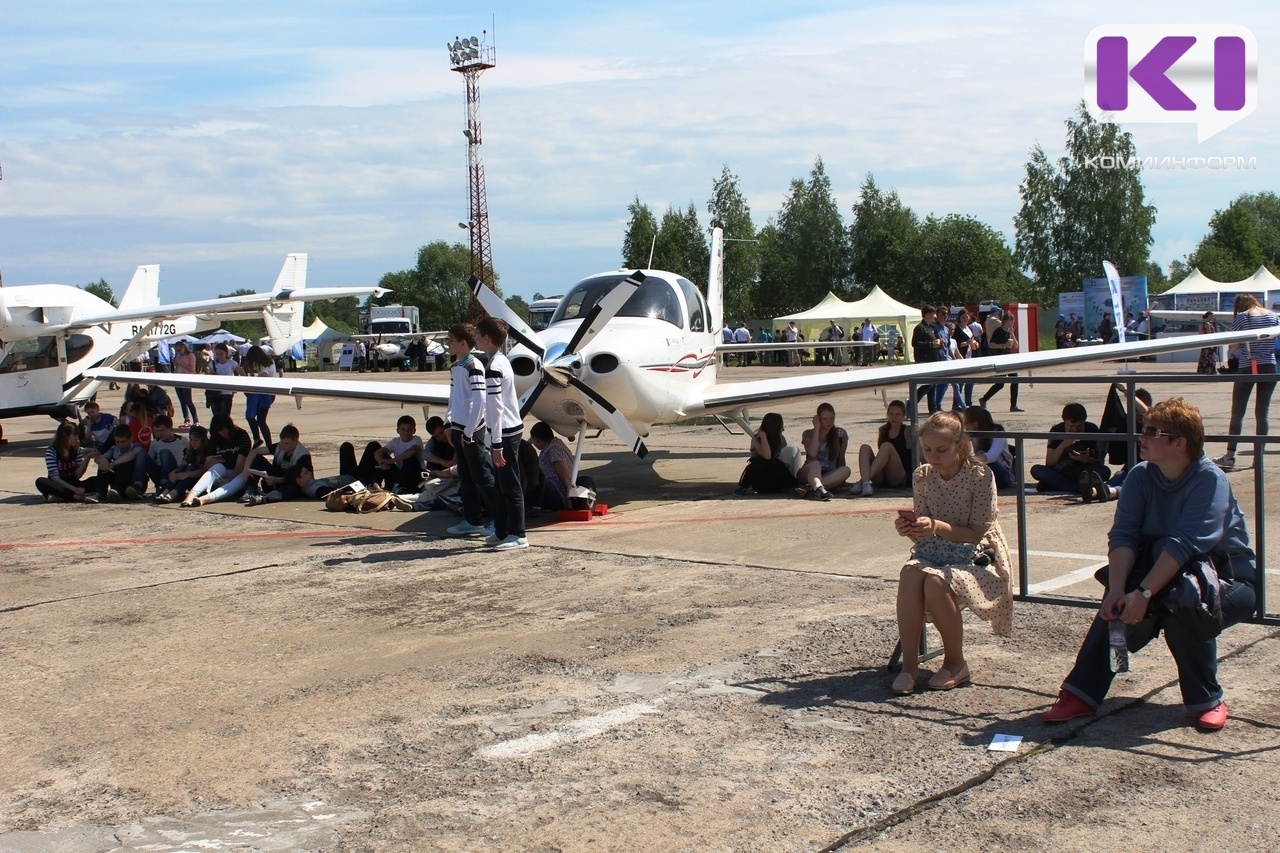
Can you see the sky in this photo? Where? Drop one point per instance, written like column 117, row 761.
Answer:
column 215, row 138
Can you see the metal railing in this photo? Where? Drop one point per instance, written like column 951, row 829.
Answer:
column 1130, row 383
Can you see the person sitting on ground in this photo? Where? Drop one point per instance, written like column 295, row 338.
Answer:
column 268, row 468
column 139, row 419
column 824, row 448
column 556, row 463
column 96, row 427
column 122, row 470
column 224, row 475
column 1176, row 506
column 773, row 464
column 954, row 526
column 311, row 486
column 395, row 465
column 65, row 463
column 996, row 452
column 438, row 456
column 158, row 402
column 194, row 461
column 889, row 463
column 1067, row 458
column 1091, row 485
column 166, row 452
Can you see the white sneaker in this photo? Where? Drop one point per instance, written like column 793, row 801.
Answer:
column 866, row 490
column 492, row 539
column 511, row 543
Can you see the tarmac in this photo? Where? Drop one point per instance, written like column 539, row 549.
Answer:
column 692, row 671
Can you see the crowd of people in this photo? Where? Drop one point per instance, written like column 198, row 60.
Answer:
column 1173, row 506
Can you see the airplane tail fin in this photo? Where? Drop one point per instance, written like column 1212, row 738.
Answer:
column 715, row 281
column 284, row 319
column 143, row 290
column 293, row 275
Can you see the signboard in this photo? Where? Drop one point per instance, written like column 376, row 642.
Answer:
column 347, row 356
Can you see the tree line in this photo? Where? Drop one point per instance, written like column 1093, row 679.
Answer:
column 1072, row 215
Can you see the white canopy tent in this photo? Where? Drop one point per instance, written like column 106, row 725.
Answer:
column 877, row 306
column 1198, row 282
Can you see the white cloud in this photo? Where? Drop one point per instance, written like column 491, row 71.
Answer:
column 220, row 140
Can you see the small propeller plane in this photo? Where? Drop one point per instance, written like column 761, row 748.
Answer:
column 51, row 334
column 626, row 350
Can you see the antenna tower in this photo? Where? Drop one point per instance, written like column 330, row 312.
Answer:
column 471, row 57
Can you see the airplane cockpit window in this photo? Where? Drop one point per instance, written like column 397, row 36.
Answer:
column 656, row 299
column 697, row 305
column 78, row 346
column 30, row 354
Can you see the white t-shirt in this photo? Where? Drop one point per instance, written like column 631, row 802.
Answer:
column 397, row 446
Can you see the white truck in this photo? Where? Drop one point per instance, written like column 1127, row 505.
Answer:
column 391, row 320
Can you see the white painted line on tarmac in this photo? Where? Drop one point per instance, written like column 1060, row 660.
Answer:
column 1065, row 555
column 574, row 731
column 1065, row 580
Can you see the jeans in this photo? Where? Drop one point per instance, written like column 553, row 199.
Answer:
column 475, row 477
column 158, row 470
column 1197, row 661
column 938, row 392
column 222, row 405
column 508, row 512
column 1054, row 481
column 189, row 412
column 1240, row 392
column 256, row 408
column 995, row 389
column 1003, row 474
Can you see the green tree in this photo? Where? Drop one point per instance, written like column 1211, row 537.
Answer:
column 1088, row 207
column 638, row 242
column 251, row 330
column 519, row 306
column 437, row 285
column 682, row 245
column 1241, row 238
column 103, row 291
column 882, row 241
column 729, row 210
column 805, row 252
column 962, row 260
column 341, row 315
column 1157, row 281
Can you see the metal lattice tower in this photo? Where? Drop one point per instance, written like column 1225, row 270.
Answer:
column 470, row 57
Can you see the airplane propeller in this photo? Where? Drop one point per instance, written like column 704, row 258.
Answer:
column 561, row 363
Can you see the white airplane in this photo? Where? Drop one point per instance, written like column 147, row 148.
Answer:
column 51, row 334
column 629, row 350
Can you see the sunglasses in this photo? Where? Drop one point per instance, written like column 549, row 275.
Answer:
column 1154, row 432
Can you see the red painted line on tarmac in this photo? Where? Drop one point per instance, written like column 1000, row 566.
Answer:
column 222, row 537
column 615, row 521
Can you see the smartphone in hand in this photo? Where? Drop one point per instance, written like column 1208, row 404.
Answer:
column 907, row 515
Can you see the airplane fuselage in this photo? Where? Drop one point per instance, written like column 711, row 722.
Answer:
column 649, row 368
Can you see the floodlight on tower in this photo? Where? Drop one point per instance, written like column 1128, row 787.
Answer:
column 470, row 57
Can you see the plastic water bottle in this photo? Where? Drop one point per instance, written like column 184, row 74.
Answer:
column 1119, row 646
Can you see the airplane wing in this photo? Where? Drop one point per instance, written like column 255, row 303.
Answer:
column 417, row 393
column 730, row 396
column 221, row 306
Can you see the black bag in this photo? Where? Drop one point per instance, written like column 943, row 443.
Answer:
column 1193, row 596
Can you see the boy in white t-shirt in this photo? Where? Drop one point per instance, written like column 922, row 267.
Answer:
column 166, row 452
column 395, row 465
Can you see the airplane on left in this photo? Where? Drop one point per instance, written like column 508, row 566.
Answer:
column 51, row 334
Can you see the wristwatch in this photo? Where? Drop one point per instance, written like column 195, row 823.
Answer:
column 1146, row 593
